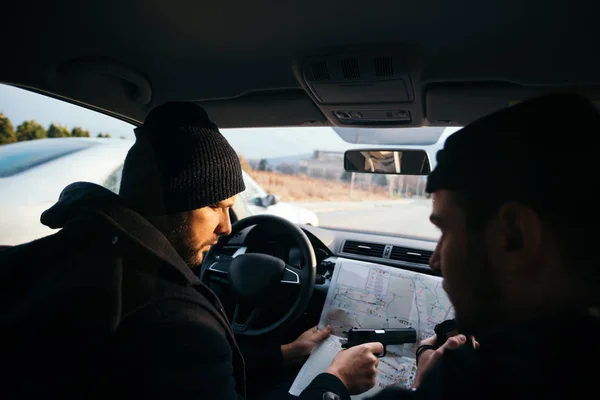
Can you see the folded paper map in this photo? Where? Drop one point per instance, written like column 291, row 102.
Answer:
column 366, row 295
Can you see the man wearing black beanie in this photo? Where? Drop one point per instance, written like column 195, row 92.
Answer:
column 112, row 303
column 182, row 175
column 514, row 199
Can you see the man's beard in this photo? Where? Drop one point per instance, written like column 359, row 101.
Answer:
column 192, row 258
column 177, row 238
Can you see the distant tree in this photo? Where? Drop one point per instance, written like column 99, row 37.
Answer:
column 263, row 165
column 107, row 135
column 57, row 131
column 346, row 176
column 380, row 180
column 78, row 132
column 7, row 131
column 245, row 164
column 104, row 135
column 30, row 130
column 100, row 135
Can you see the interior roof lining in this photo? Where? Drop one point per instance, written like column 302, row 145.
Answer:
column 533, row 43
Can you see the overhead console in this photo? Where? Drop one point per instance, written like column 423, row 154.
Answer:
column 366, row 87
column 391, row 86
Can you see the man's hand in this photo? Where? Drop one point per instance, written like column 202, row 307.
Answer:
column 356, row 367
column 299, row 349
column 428, row 358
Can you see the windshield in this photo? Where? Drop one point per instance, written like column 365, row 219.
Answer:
column 304, row 167
column 296, row 173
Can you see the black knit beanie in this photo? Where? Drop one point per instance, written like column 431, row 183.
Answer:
column 179, row 162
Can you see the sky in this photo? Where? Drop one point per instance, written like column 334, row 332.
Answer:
column 253, row 143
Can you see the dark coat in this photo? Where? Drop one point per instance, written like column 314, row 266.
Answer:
column 548, row 358
column 106, row 308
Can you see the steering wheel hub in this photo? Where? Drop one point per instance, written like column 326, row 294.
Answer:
column 254, row 276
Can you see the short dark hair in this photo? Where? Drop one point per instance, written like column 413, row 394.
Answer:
column 573, row 226
column 478, row 209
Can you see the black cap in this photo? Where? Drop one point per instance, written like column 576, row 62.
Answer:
column 534, row 151
column 179, row 162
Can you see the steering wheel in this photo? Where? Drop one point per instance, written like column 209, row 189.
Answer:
column 254, row 277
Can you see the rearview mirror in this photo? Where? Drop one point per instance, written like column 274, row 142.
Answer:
column 385, row 161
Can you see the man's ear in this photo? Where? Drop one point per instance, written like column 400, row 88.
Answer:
column 520, row 232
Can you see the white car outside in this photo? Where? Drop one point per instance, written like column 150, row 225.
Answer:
column 33, row 174
column 259, row 201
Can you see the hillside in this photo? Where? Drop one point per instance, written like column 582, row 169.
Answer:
column 302, row 188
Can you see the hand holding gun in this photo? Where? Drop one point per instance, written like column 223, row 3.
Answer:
column 388, row 336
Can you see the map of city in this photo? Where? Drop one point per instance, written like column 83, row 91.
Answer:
column 364, row 295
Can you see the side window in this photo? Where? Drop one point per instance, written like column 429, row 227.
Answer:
column 21, row 157
column 45, row 145
column 113, row 182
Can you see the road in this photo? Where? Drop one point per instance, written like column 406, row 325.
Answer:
column 404, row 217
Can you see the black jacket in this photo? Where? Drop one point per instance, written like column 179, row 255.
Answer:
column 548, row 358
column 105, row 308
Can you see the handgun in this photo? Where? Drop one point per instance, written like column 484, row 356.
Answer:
column 446, row 329
column 387, row 336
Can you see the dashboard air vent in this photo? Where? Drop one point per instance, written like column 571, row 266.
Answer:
column 363, row 249
column 410, row 255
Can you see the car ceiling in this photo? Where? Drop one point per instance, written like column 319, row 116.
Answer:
column 243, row 61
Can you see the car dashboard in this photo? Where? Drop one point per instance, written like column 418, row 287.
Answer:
column 401, row 252
column 330, row 245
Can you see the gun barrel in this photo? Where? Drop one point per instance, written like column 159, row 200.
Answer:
column 391, row 336
column 401, row 336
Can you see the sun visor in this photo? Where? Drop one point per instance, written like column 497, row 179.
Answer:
column 458, row 104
